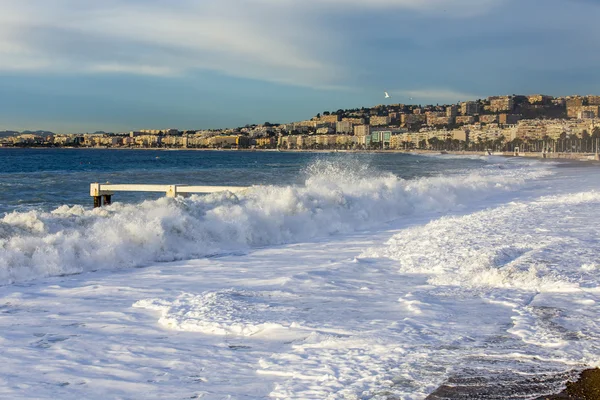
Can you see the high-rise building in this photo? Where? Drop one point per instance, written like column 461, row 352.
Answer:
column 469, row 108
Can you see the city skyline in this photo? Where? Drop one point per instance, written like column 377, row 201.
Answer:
column 122, row 64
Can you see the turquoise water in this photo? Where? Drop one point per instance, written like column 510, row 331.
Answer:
column 44, row 179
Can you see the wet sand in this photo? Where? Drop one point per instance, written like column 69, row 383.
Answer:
column 584, row 386
column 587, row 387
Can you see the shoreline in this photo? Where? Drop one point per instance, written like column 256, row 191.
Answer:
column 579, row 385
column 548, row 156
column 587, row 387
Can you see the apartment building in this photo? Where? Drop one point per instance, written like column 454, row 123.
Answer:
column 501, row 103
column 412, row 119
column 354, row 121
column 380, row 120
column 265, row 142
column 452, row 111
column 509, row 119
column 488, row 119
column 464, row 119
column 469, row 108
column 362, row 130
column 539, row 99
column 344, row 126
column 332, row 118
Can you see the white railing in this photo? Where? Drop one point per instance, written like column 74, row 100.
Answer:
column 106, row 190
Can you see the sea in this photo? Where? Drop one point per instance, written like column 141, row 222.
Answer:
column 334, row 275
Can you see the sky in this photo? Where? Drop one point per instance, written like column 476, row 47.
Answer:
column 121, row 65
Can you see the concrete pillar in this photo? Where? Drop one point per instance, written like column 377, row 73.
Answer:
column 172, row 191
column 97, row 201
column 107, row 199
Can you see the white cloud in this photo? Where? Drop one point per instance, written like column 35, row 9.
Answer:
column 161, row 39
column 273, row 40
column 424, row 5
column 139, row 69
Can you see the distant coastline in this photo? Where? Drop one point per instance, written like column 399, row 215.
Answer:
column 531, row 123
column 541, row 155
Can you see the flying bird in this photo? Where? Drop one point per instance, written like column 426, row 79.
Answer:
column 387, row 96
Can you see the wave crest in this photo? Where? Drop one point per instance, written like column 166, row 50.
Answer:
column 336, row 198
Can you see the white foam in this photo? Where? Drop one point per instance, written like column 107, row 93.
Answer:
column 538, row 258
column 333, row 200
column 520, row 245
column 226, row 312
column 508, row 290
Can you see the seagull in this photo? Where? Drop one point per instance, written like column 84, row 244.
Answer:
column 387, row 96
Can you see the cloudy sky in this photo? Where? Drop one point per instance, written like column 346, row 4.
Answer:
column 118, row 65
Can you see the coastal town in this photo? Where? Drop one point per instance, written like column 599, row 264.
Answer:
column 537, row 123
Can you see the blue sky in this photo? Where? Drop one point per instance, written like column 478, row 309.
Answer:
column 119, row 65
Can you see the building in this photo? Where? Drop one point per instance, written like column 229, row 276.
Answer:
column 362, row 130
column 325, row 140
column 452, row 111
column 377, row 139
column 464, row 119
column 469, row 108
column 326, row 130
column 315, row 124
column 295, row 128
column 460, row 134
column 397, row 142
column 380, row 120
column 265, row 142
column 331, row 118
column 344, row 126
column 354, row 121
column 593, row 100
column 390, row 130
column 574, row 106
column 285, row 142
column 228, row 141
column 433, row 116
column 174, row 141
column 509, row 119
column 586, row 114
column 539, row 99
column 345, row 141
column 488, row 119
column 576, row 111
column 440, row 121
column 394, row 117
column 531, row 129
column 501, row 103
column 305, row 142
column 147, row 140
column 409, row 120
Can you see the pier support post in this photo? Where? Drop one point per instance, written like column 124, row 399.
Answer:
column 172, row 191
column 98, row 194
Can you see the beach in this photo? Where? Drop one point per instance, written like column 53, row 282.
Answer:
column 380, row 276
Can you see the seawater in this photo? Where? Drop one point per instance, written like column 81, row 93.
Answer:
column 44, row 179
column 337, row 276
column 49, row 227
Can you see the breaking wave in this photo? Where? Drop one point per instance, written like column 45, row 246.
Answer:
column 336, row 198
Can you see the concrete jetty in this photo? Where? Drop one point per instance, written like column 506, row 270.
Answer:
column 102, row 192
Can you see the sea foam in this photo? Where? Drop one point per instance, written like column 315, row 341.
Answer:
column 335, row 199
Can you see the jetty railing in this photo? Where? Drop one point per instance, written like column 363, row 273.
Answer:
column 104, row 191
